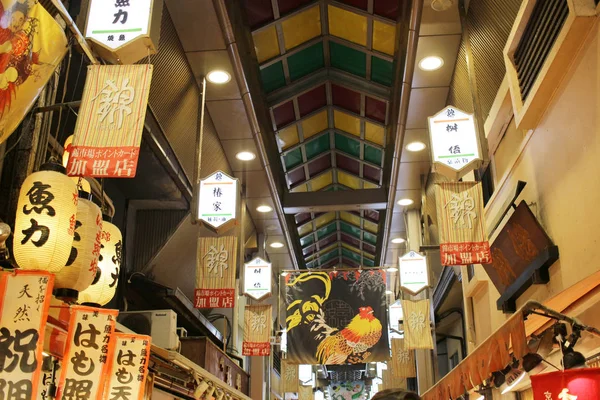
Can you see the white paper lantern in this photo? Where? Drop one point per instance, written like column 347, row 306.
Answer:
column 102, row 290
column 45, row 220
column 80, row 270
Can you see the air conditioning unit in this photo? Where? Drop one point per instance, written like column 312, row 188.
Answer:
column 161, row 325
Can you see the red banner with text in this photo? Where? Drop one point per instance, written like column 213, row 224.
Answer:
column 574, row 384
column 129, row 367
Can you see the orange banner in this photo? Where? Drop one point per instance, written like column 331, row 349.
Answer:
column 129, row 367
column 257, row 330
column 24, row 302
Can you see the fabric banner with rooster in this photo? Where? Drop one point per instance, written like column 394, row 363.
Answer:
column 463, row 239
column 336, row 317
column 417, row 324
column 257, row 330
column 403, row 360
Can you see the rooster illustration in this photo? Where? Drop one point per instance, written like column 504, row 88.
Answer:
column 362, row 333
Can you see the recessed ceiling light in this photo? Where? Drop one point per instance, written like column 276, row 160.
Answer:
column 398, row 240
column 264, row 208
column 276, row 245
column 415, row 146
column 393, row 269
column 218, row 76
column 245, row 156
column 405, row 202
column 431, row 63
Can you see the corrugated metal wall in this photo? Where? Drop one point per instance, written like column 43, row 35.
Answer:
column 460, row 92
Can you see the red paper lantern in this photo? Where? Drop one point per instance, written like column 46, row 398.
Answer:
column 574, row 384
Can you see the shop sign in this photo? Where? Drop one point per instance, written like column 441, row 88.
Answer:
column 395, row 311
column 24, row 302
column 257, row 330
column 257, row 279
column 454, row 142
column 215, row 272
column 218, row 202
column 414, row 275
column 575, row 384
column 129, row 367
column 124, row 31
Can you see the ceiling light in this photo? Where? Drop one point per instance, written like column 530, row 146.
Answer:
column 441, row 5
column 276, row 245
column 245, row 156
column 264, row 208
column 415, row 146
column 431, row 63
column 405, row 202
column 218, row 76
column 398, row 240
column 392, row 269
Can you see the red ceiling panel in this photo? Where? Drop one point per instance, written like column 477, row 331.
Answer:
column 312, row 100
column 352, row 241
column 362, row 4
column 371, row 173
column 375, row 109
column 387, row 8
column 259, row 12
column 286, row 6
column 346, row 98
column 372, row 215
column 302, row 218
column 347, row 164
column 296, row 176
column 284, row 114
column 319, row 165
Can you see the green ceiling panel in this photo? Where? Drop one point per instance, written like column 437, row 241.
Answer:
column 367, row 262
column 350, row 229
column 347, row 145
column 373, row 155
column 370, row 238
column 293, row 158
column 317, row 146
column 272, row 77
column 351, row 255
column 306, row 61
column 328, row 230
column 347, row 59
column 381, row 71
column 307, row 240
column 329, row 256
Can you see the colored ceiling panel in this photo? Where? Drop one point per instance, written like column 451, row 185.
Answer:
column 387, row 8
column 286, row 6
column 310, row 250
column 351, row 255
column 306, row 61
column 329, row 256
column 369, row 185
column 348, row 59
column 326, row 231
column 327, row 241
column 375, row 109
column 266, row 44
column 284, row 114
column 367, row 247
column 350, row 229
column 370, row 238
column 292, row 159
column 301, row 218
column 312, row 100
column 373, row 155
column 362, row 4
column 321, row 181
column 371, row 173
column 317, row 146
column 324, row 219
column 347, row 145
column 327, row 249
column 296, row 176
column 347, row 164
column 350, row 240
column 370, row 226
column 307, row 240
column 287, row 137
column 381, row 71
column 372, row 215
column 348, row 180
column 259, row 12
column 319, row 165
column 350, row 263
column 384, row 37
column 351, row 248
column 350, row 218
column 368, row 263
column 347, row 25
column 346, row 123
column 299, row 188
column 310, row 23
column 305, row 229
column 345, row 98
column 272, row 77
column 315, row 124
column 374, row 133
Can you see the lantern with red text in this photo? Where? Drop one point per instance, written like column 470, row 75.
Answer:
column 102, row 290
column 45, row 220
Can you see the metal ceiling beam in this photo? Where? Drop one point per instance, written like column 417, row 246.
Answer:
column 365, row 199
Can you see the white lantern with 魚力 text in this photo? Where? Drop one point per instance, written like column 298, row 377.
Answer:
column 45, row 220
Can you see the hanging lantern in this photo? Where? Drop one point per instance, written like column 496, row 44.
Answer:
column 103, row 288
column 80, row 270
column 45, row 220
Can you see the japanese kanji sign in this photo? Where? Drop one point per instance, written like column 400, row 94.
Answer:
column 124, row 31
column 86, row 361
column 108, row 132
column 257, row 279
column 417, row 324
column 24, row 302
column 403, row 360
column 574, row 384
column 257, row 330
column 461, row 226
column 289, row 375
column 129, row 367
column 414, row 275
column 454, row 142
column 215, row 272
column 218, row 200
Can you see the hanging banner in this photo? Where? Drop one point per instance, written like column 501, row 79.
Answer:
column 414, row 275
column 417, row 324
column 215, row 272
column 33, row 44
column 347, row 390
column 390, row 381
column 336, row 317
column 305, row 393
column 25, row 299
column 257, row 330
column 461, row 224
column 86, row 361
column 257, row 279
column 403, row 360
column 290, row 377
column 129, row 367
column 574, row 384
column 108, row 131
column 219, row 196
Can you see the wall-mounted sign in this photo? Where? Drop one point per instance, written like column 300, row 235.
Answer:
column 454, row 142
column 257, row 279
column 124, row 31
column 414, row 275
column 218, row 202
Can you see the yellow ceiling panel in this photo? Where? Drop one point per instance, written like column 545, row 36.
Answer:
column 374, row 133
column 370, row 226
column 315, row 124
column 384, row 37
column 302, row 27
column 305, row 229
column 369, row 185
column 350, row 218
column 365, row 254
column 321, row 181
column 351, row 248
column 324, row 219
column 266, row 44
column 348, row 180
column 299, row 188
column 346, row 122
column 287, row 137
column 347, row 25
column 327, row 249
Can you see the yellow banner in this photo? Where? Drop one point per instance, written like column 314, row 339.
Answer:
column 289, row 375
column 305, row 393
column 403, row 360
column 257, row 330
column 215, row 272
column 417, row 324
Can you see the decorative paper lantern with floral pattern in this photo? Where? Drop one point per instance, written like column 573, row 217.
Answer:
column 45, row 220
column 102, row 290
column 80, row 270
